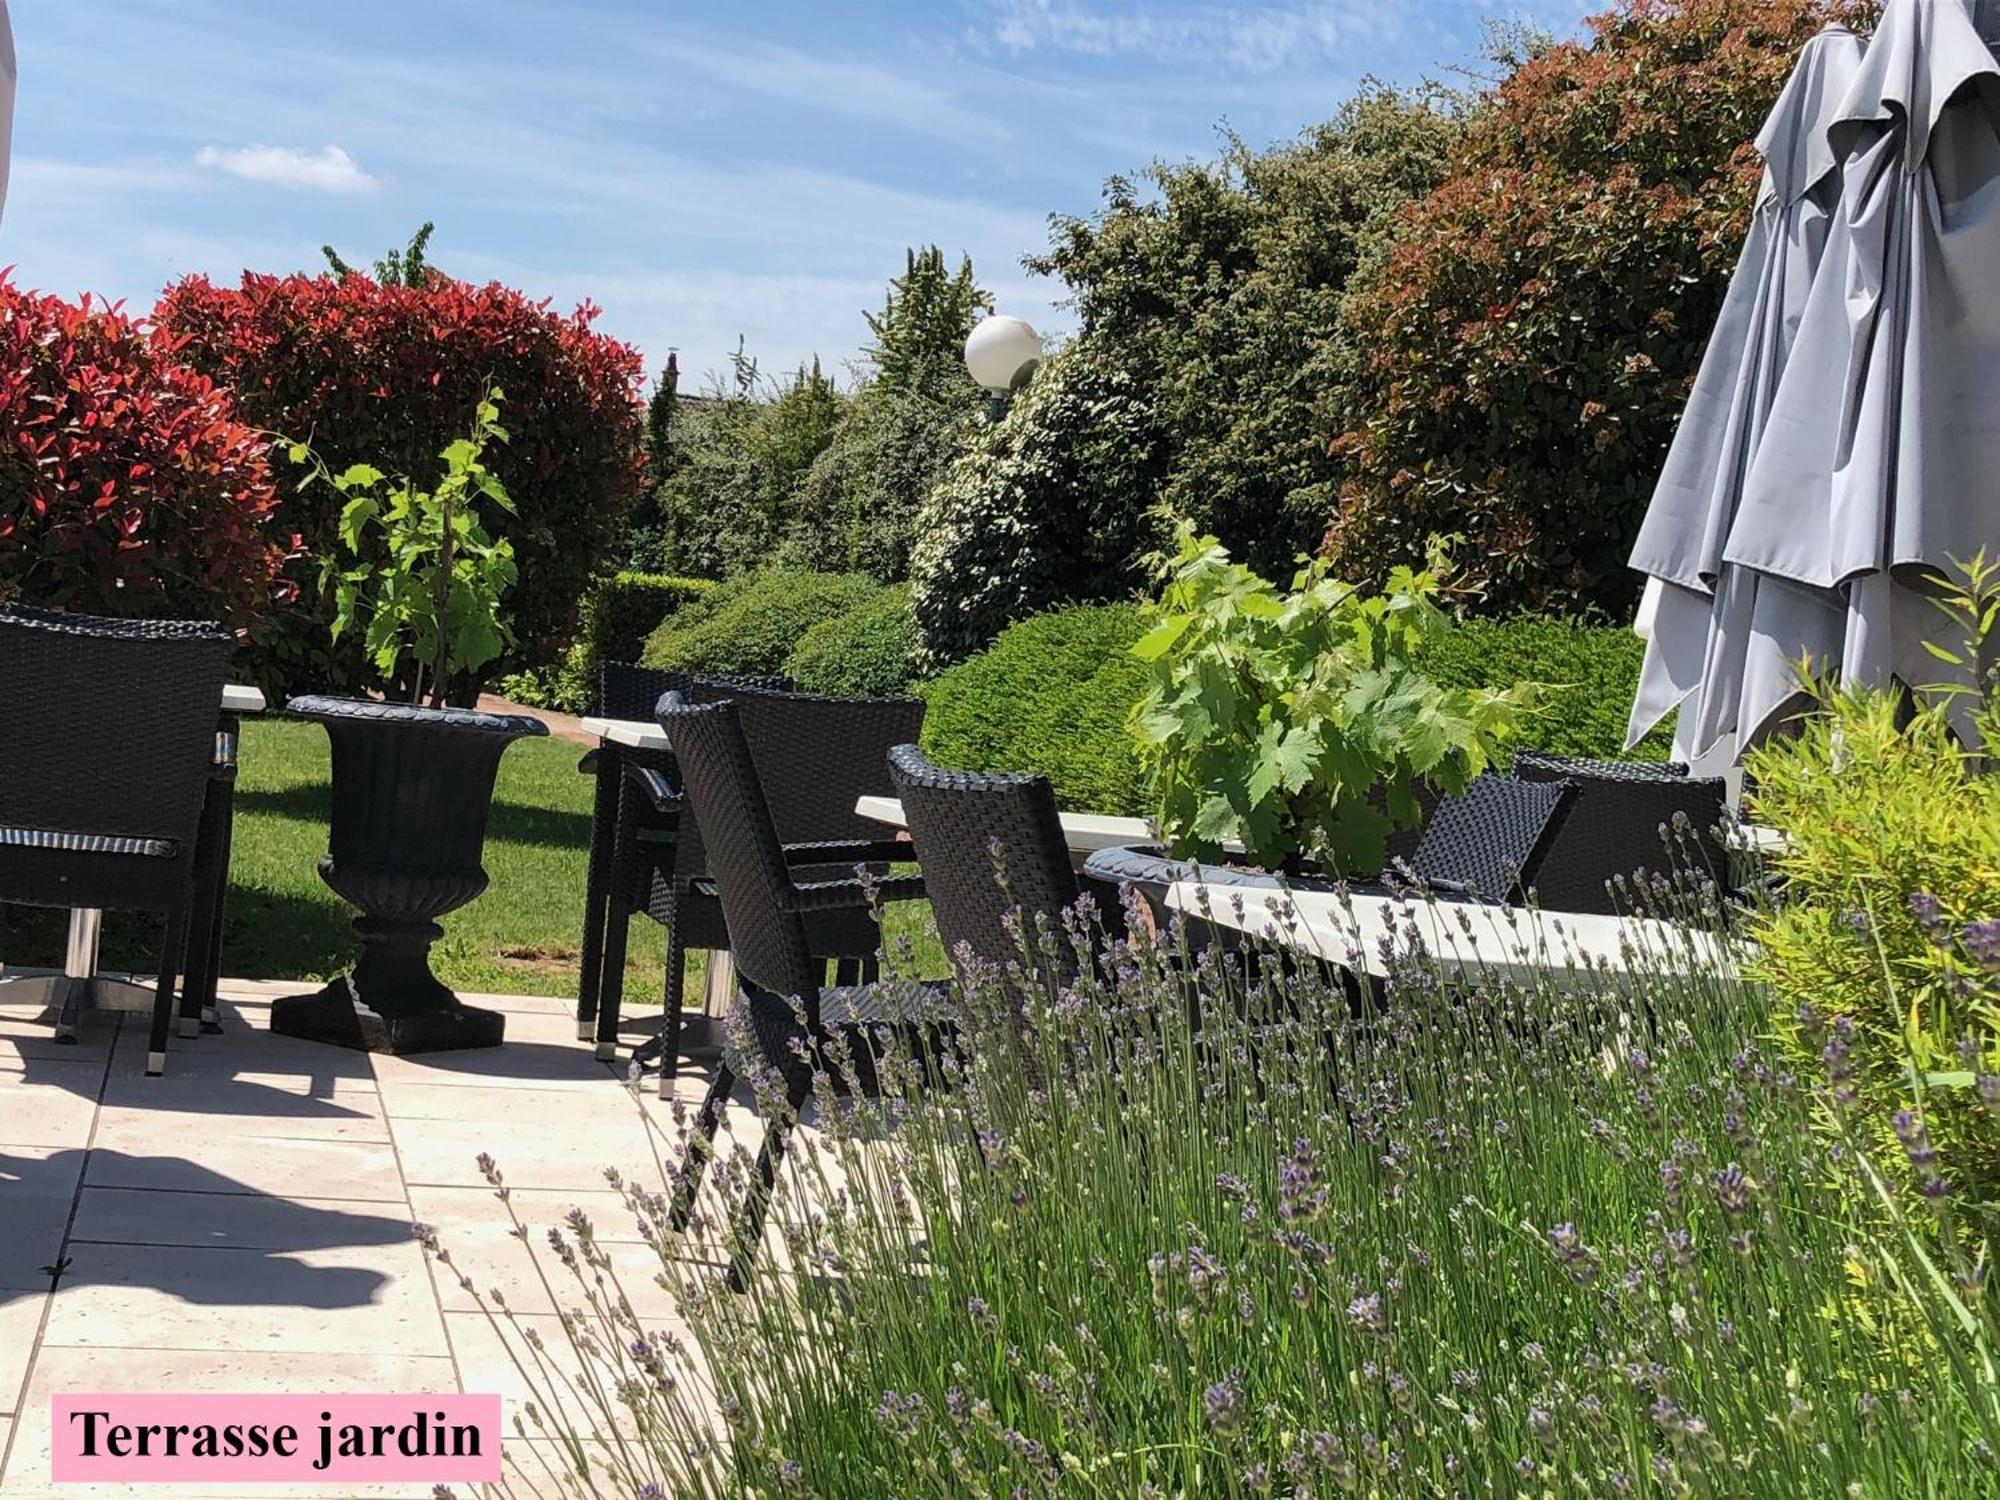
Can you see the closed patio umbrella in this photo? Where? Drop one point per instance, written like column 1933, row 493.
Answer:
column 1709, row 629
column 1879, row 465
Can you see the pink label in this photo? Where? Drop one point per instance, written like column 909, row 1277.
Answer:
column 157, row 1439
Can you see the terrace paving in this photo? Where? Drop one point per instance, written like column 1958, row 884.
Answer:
column 243, row 1224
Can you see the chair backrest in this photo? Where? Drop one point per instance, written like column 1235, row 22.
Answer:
column 965, row 823
column 816, row 755
column 110, row 723
column 1546, row 765
column 1628, row 818
column 746, row 861
column 626, row 690
column 1494, row 836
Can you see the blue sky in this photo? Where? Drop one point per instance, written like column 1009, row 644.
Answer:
column 699, row 171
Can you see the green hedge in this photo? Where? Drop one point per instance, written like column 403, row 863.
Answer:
column 868, row 652
column 1591, row 671
column 616, row 617
column 1052, row 695
column 751, row 623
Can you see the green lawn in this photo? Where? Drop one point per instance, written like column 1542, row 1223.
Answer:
column 522, row 936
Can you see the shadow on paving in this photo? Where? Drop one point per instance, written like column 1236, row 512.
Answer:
column 263, row 1275
column 227, row 1096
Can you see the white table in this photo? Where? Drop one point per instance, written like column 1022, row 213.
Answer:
column 1085, row 833
column 1471, row 937
column 81, row 986
column 634, row 734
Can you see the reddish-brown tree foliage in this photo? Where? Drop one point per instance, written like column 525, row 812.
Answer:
column 1525, row 349
column 389, row 375
column 128, row 485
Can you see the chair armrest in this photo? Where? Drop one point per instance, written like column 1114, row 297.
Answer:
column 835, row 895
column 851, row 852
column 664, row 796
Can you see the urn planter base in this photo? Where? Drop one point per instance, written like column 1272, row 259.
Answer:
column 411, row 791
column 391, row 1002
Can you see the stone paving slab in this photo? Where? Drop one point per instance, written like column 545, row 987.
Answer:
column 243, row 1223
column 316, row 1301
column 225, row 1160
column 233, row 1221
column 139, row 1114
column 20, row 1329
column 50, row 1103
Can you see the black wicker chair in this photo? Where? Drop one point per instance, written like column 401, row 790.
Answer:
column 815, row 756
column 972, row 827
column 104, row 769
column 766, row 906
column 635, row 831
column 1627, row 817
column 1493, row 839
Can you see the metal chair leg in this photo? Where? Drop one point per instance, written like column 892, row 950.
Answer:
column 205, row 912
column 163, row 996
column 750, row 1223
column 597, row 885
column 701, row 1145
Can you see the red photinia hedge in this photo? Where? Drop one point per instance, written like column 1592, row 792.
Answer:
column 1527, row 344
column 128, row 486
column 389, row 375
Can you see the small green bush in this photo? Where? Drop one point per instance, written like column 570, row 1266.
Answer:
column 751, row 623
column 1302, row 725
column 617, row 617
column 1052, row 694
column 865, row 653
column 1591, row 672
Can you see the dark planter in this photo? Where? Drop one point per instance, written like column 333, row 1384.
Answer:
column 411, row 791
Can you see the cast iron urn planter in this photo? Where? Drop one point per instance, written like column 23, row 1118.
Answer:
column 411, row 791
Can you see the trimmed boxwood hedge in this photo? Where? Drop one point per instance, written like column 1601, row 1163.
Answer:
column 866, row 653
column 1591, row 672
column 1052, row 695
column 750, row 623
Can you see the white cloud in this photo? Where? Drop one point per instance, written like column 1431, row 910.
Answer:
column 328, row 170
column 1252, row 40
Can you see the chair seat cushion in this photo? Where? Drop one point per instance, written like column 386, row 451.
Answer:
column 88, row 843
column 853, row 1009
column 837, row 932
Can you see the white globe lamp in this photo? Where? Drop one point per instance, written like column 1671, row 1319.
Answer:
column 1002, row 353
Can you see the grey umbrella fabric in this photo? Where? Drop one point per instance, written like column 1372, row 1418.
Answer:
column 1880, row 464
column 8, row 77
column 1703, row 647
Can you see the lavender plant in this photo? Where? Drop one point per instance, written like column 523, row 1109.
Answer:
column 1210, row 1220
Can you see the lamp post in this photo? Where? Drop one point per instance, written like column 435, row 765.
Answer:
column 1001, row 353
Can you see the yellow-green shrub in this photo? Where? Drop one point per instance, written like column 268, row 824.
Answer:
column 1889, row 914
